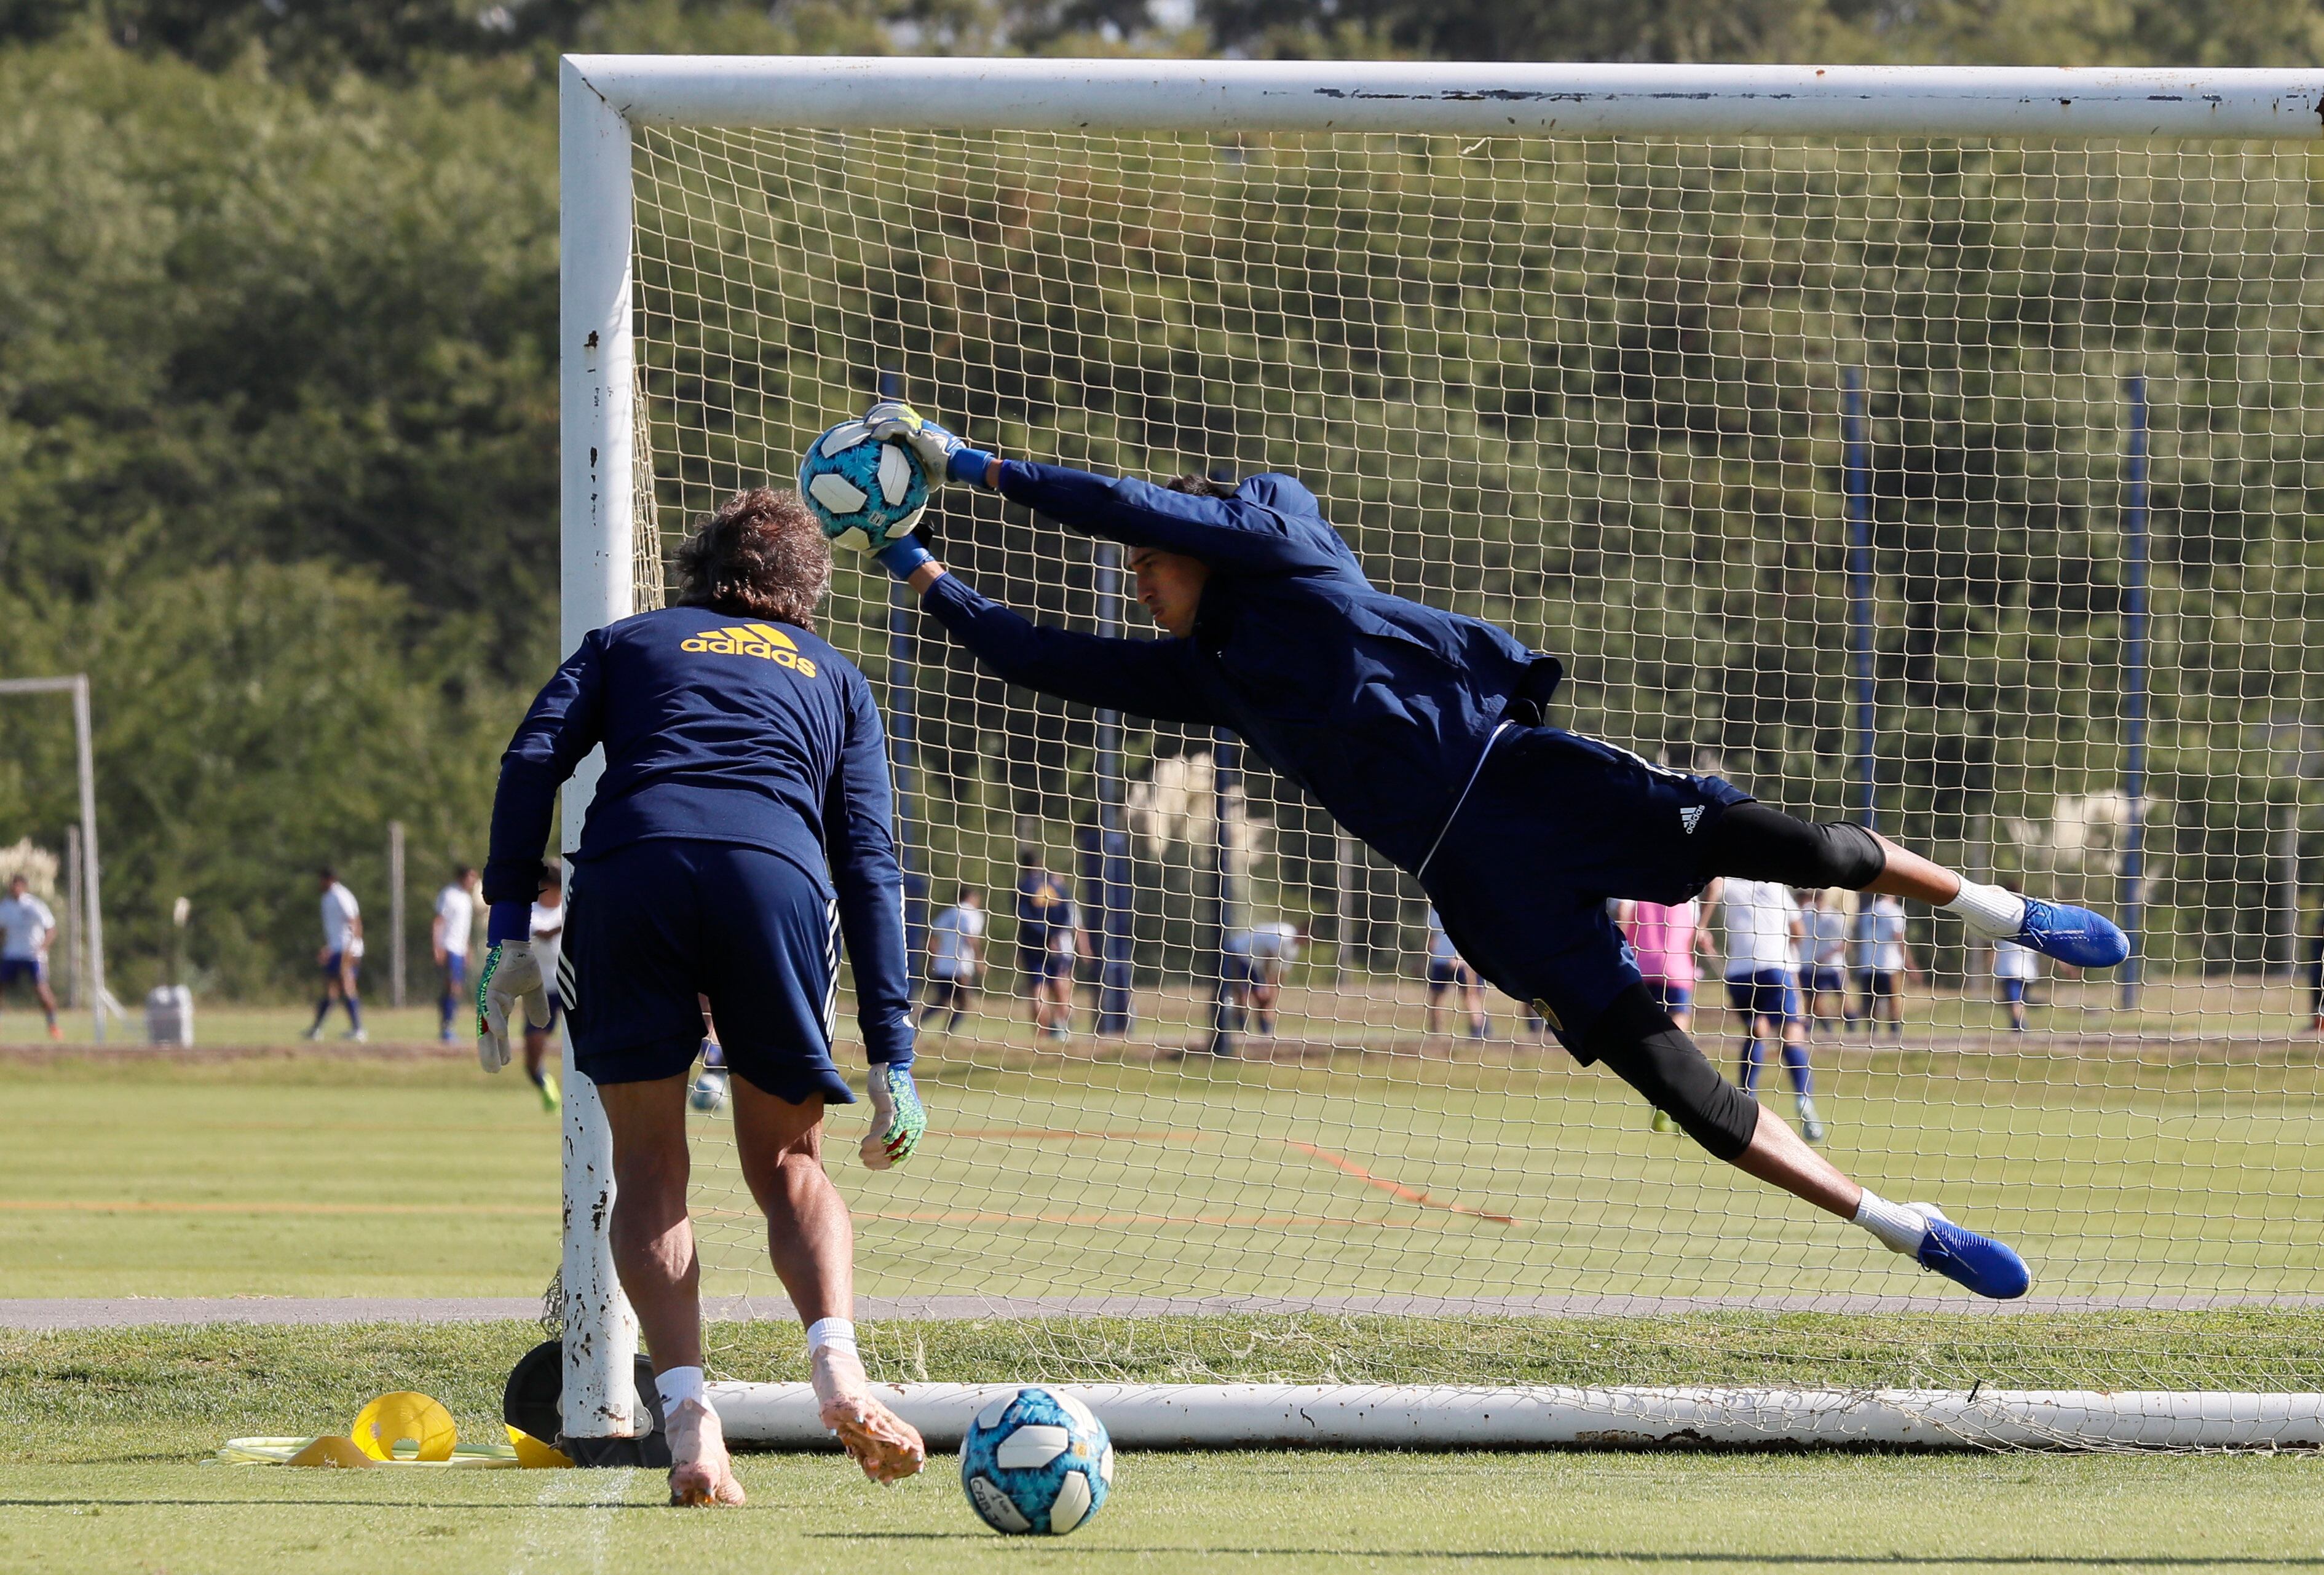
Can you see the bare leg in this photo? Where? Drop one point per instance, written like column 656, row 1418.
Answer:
column 1781, row 1157
column 1910, row 875
column 653, row 1251
column 812, row 1242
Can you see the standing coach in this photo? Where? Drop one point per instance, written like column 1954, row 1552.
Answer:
column 742, row 826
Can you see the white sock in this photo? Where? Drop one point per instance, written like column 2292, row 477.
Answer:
column 677, row 1383
column 1899, row 1228
column 1989, row 910
column 836, row 1334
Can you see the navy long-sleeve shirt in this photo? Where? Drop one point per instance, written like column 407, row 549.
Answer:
column 726, row 730
column 1380, row 707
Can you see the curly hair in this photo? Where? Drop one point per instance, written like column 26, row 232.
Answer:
column 761, row 555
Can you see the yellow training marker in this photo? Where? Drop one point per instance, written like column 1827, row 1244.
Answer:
column 330, row 1451
column 405, row 1417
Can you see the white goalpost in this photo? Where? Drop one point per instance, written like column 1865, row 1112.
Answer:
column 1931, row 448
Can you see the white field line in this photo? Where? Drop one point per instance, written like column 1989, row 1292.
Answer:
column 560, row 1540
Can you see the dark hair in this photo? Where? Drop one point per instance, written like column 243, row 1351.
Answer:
column 1201, row 486
column 761, row 555
column 965, row 893
column 325, row 872
column 461, row 871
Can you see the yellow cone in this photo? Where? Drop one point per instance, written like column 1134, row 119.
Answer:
column 330, row 1451
column 534, row 1455
column 405, row 1417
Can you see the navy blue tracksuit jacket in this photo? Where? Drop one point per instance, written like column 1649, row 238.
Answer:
column 722, row 730
column 1378, row 708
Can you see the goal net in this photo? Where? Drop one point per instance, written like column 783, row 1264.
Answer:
column 1958, row 479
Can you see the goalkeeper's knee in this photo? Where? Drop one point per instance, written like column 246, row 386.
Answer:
column 1755, row 842
column 1638, row 1041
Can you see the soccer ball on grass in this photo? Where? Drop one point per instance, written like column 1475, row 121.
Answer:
column 854, row 482
column 1036, row 1460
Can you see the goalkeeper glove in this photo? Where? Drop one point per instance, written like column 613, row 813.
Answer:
column 511, row 976
column 942, row 453
column 897, row 1118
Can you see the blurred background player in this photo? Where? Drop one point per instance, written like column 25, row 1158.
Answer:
column 1423, row 735
column 1762, row 936
column 1883, row 963
column 546, row 927
column 1255, row 960
column 1449, row 971
column 26, row 929
column 743, row 823
column 448, row 934
column 341, row 957
column 955, row 958
column 1666, row 938
column 2015, row 970
column 1047, row 942
column 1823, row 957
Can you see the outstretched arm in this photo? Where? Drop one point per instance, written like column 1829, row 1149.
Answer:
column 859, row 839
column 1239, row 534
column 1158, row 679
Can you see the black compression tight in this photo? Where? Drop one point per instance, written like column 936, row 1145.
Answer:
column 1638, row 1041
column 1755, row 842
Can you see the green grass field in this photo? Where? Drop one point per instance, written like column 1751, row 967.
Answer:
column 1501, row 1172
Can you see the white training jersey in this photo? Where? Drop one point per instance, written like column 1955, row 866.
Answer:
column 1827, row 941
column 1275, row 941
column 340, row 912
column 547, row 939
column 2012, row 960
column 1066, row 930
column 1758, row 916
column 25, row 921
column 1880, row 936
column 1440, row 944
column 952, row 937
column 457, row 909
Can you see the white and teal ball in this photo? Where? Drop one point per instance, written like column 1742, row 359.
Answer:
column 854, row 482
column 708, row 1093
column 1035, row 1461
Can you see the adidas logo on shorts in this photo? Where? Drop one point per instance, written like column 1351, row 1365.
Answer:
column 1690, row 817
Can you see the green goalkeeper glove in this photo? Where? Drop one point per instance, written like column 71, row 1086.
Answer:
column 511, row 976
column 943, row 456
column 898, row 1120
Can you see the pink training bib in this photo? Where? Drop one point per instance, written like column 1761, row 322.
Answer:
column 1663, row 939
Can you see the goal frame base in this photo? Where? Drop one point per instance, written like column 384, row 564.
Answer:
column 1242, row 1416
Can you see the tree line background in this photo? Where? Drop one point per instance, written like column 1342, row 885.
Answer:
column 278, row 408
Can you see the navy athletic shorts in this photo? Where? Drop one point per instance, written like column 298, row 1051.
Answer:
column 1443, row 974
column 31, row 970
column 2013, row 991
column 1554, row 825
column 656, row 923
column 1878, row 982
column 1670, row 996
column 1826, row 980
column 1765, row 993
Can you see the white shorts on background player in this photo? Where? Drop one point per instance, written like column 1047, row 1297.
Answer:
column 2012, row 960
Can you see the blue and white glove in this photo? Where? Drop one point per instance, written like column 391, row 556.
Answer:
column 897, row 1118
column 512, row 978
column 942, row 453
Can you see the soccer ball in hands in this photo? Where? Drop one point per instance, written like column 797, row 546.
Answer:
column 1036, row 1460
column 853, row 481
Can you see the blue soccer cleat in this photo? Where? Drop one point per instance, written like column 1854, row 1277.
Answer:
column 1985, row 1265
column 2073, row 935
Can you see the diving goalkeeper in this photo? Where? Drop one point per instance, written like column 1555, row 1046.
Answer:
column 1422, row 733
column 742, row 824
